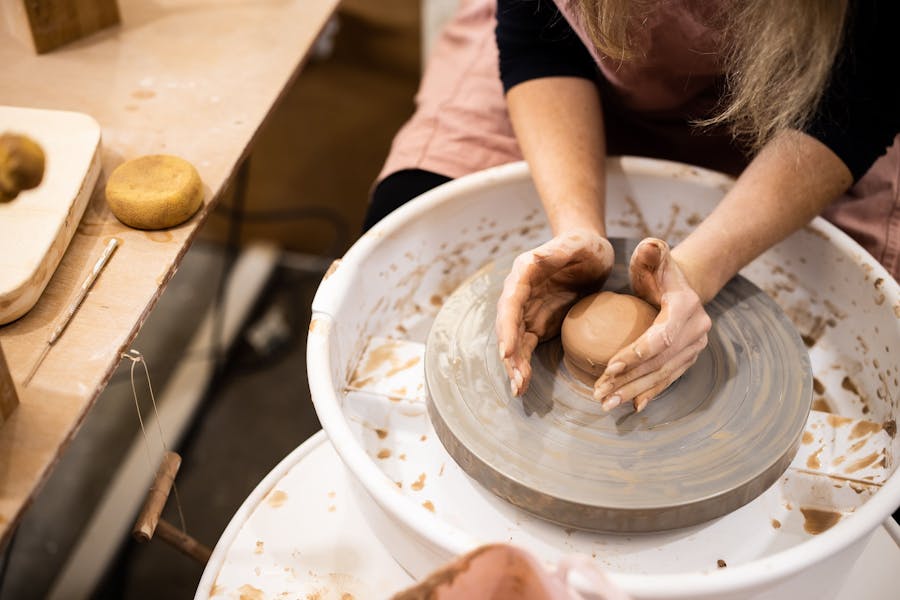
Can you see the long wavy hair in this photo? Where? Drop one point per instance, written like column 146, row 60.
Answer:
column 777, row 59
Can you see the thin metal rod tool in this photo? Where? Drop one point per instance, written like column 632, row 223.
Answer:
column 66, row 318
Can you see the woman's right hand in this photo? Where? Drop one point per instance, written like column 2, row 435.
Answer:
column 541, row 287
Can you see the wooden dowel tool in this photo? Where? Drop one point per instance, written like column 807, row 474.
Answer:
column 149, row 523
column 111, row 246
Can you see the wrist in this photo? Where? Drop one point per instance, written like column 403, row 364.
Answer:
column 701, row 275
column 568, row 223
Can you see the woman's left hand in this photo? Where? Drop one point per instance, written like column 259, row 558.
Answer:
column 642, row 370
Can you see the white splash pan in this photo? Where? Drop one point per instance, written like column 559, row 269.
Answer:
column 372, row 312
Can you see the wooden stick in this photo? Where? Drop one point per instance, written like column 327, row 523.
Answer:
column 183, row 542
column 64, row 321
column 148, row 518
column 8, row 398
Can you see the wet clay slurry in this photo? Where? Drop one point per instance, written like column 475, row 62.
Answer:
column 816, row 520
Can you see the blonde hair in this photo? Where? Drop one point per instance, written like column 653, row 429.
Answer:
column 777, row 60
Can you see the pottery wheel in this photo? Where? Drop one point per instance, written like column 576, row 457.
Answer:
column 713, row 441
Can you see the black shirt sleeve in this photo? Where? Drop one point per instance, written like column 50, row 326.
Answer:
column 859, row 113
column 536, row 41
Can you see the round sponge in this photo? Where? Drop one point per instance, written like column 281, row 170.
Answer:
column 154, row 192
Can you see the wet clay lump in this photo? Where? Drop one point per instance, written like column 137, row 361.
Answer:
column 600, row 325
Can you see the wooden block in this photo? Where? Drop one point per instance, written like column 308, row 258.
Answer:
column 47, row 24
column 8, row 398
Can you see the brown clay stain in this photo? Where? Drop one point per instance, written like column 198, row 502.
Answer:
column 813, row 461
column 216, row 590
column 331, row 494
column 858, row 445
column 864, row 428
column 436, row 300
column 839, row 461
column 423, row 438
column 809, row 229
column 260, row 547
column 818, row 386
column 347, row 596
column 815, row 520
column 402, row 456
column 143, row 94
column 408, row 364
column 276, row 498
column 821, row 405
column 334, row 267
column 419, row 483
column 160, row 237
column 848, row 385
column 384, row 453
column 890, row 427
column 721, row 564
column 776, row 524
column 427, row 504
column 381, row 433
column 864, row 462
column 332, row 508
column 808, row 437
column 377, row 357
column 248, row 592
column 636, row 211
column 838, row 421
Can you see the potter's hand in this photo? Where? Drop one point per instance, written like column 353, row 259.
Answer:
column 642, row 370
column 540, row 288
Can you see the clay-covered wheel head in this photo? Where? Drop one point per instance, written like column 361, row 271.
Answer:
column 600, row 325
column 154, row 192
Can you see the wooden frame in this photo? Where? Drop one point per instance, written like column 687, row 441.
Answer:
column 49, row 24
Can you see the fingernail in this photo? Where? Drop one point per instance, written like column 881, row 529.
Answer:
column 502, row 347
column 641, row 404
column 517, row 376
column 615, row 368
column 637, row 352
column 512, row 388
column 611, row 403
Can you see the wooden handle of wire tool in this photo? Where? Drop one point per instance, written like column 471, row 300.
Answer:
column 148, row 518
column 183, row 542
column 8, row 398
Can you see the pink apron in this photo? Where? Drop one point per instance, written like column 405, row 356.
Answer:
column 461, row 126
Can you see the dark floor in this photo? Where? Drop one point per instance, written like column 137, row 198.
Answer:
column 255, row 414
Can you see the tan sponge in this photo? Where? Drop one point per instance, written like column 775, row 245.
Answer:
column 154, row 192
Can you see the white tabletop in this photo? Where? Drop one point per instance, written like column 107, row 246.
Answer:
column 302, row 534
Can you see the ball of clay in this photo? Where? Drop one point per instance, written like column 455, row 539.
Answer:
column 21, row 165
column 154, row 192
column 597, row 327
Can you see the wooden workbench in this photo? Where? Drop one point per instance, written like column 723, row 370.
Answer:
column 194, row 79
